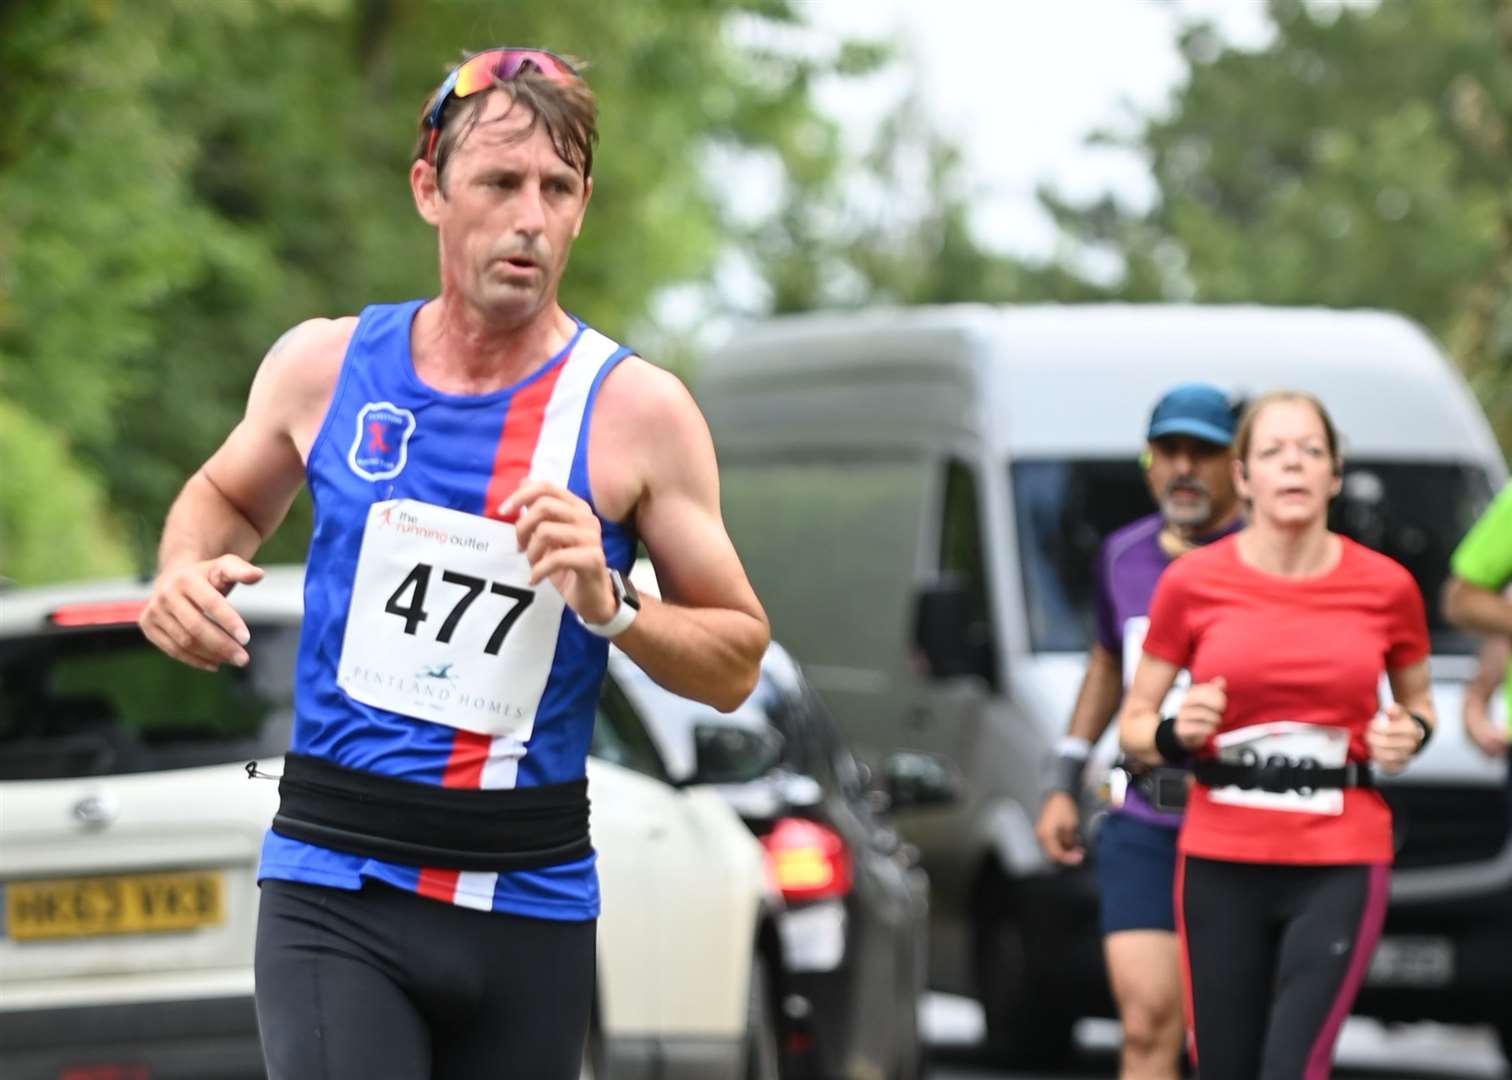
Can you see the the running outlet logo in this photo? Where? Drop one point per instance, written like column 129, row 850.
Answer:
column 381, row 446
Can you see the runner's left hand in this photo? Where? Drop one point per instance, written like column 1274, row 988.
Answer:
column 1392, row 738
column 562, row 539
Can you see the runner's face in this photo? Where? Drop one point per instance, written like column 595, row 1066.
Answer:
column 508, row 214
column 1192, row 481
column 1289, row 472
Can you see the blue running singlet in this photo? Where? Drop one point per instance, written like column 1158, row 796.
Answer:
column 424, row 652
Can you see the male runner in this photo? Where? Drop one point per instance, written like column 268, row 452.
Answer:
column 482, row 464
column 1477, row 598
column 1189, row 470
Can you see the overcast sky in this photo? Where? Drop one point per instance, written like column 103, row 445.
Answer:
column 1019, row 84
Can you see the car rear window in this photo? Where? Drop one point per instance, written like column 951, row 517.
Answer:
column 101, row 701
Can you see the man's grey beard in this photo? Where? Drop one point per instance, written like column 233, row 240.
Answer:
column 1187, row 516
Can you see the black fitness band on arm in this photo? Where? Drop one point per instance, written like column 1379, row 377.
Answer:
column 1069, row 770
column 1166, row 742
column 1423, row 726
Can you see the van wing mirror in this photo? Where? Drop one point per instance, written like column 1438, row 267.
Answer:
column 948, row 633
column 914, row 778
column 728, row 753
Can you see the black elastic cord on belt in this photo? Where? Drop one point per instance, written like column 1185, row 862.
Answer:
column 1278, row 775
column 400, row 821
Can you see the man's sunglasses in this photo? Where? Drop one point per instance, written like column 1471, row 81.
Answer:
column 478, row 73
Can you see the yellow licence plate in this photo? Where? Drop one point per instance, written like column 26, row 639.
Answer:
column 127, row 904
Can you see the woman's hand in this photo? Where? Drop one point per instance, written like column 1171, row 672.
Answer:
column 1201, row 712
column 1392, row 738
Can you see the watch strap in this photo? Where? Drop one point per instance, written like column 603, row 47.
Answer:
column 623, row 616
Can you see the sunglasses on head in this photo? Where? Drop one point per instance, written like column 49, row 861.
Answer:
column 478, row 73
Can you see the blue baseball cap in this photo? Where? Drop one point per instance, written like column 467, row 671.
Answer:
column 1196, row 409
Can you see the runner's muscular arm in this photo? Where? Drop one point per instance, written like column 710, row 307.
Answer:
column 1393, row 738
column 1200, row 713
column 651, row 457
column 706, row 637
column 1474, row 608
column 238, row 497
column 1058, row 826
column 1490, row 738
column 1097, row 700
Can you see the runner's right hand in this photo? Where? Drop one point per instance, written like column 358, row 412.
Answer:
column 188, row 616
column 1490, row 739
column 1201, row 712
column 1059, row 829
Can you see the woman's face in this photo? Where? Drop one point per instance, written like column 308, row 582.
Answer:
column 1288, row 472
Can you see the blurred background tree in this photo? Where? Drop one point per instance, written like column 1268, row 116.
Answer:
column 1362, row 159
column 183, row 181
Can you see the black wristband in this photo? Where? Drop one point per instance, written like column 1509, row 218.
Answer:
column 1167, row 744
column 1068, row 774
column 1425, row 727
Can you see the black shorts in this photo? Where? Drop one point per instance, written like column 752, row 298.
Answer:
column 382, row 982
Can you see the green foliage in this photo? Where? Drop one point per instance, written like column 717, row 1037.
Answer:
column 53, row 523
column 1362, row 158
column 183, row 181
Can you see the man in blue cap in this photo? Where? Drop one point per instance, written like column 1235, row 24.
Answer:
column 1189, row 468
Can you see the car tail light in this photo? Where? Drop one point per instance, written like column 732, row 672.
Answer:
column 106, row 613
column 809, row 860
column 106, row 1072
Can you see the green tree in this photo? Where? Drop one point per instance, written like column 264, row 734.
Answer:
column 893, row 227
column 183, row 181
column 1361, row 158
column 53, row 520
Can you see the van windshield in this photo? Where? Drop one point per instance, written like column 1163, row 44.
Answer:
column 1416, row 513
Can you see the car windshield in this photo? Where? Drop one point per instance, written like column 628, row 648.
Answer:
column 1413, row 512
column 102, row 701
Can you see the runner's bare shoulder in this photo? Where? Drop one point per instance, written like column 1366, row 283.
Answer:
column 298, row 375
column 638, row 396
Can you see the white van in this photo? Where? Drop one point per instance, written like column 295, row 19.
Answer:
column 918, row 495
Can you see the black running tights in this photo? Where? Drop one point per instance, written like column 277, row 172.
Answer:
column 385, row 983
column 1274, row 956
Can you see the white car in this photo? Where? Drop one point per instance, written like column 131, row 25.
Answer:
column 130, row 833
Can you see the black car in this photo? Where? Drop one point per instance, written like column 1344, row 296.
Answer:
column 854, row 934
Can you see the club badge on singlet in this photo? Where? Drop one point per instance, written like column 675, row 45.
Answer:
column 443, row 623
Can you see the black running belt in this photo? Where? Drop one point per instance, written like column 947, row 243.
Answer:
column 400, row 821
column 1278, row 775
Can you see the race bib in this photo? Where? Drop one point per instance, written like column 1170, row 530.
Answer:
column 444, row 624
column 1135, row 630
column 1296, row 743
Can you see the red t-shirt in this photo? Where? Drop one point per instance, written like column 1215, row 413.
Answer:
column 1310, row 650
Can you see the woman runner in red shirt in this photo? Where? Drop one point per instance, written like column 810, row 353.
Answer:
column 1286, row 629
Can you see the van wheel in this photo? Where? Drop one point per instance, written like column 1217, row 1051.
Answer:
column 761, row 1050
column 1023, row 1030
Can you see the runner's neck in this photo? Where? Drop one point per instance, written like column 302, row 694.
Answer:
column 456, row 352
column 1306, row 554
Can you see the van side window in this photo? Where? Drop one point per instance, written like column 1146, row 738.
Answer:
column 962, row 559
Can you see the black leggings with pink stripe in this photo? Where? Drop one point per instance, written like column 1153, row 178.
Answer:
column 1274, row 957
